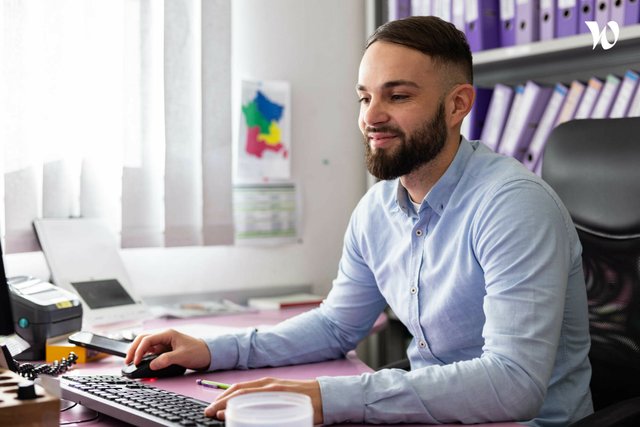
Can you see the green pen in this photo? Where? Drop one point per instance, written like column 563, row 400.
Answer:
column 213, row 384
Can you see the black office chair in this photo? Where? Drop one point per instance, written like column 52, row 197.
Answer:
column 594, row 166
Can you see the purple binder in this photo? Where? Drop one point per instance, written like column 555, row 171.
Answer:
column 602, row 13
column 586, row 12
column 528, row 21
column 634, row 106
column 547, row 123
column 497, row 113
column 517, row 137
column 482, row 24
column 625, row 12
column 589, row 98
column 398, row 9
column 623, row 99
column 538, row 170
column 507, row 23
column 571, row 102
column 548, row 9
column 567, row 18
column 607, row 97
column 478, row 113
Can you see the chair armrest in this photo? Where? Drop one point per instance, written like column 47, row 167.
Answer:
column 621, row 414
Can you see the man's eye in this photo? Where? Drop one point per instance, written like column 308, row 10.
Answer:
column 363, row 100
column 398, row 97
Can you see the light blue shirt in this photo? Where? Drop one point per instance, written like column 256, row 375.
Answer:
column 487, row 277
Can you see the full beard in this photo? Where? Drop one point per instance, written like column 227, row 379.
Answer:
column 421, row 147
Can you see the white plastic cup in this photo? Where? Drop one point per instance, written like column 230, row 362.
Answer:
column 267, row 409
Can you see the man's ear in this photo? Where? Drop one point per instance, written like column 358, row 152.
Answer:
column 460, row 101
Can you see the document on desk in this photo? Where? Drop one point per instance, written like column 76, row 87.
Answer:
column 15, row 344
column 187, row 310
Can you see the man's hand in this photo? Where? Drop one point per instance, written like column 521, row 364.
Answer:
column 309, row 387
column 173, row 347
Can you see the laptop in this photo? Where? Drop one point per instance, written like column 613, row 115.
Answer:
column 83, row 257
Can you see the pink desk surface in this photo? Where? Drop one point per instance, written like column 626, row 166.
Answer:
column 186, row 385
column 250, row 319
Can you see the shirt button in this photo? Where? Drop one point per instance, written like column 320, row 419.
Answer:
column 418, row 232
column 413, row 290
column 422, row 344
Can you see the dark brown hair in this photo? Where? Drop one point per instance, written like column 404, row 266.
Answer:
column 439, row 39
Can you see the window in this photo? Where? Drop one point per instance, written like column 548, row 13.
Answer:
column 117, row 109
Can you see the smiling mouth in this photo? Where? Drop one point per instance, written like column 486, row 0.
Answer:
column 380, row 140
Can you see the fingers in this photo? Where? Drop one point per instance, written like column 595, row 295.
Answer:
column 173, row 347
column 132, row 348
column 216, row 409
column 146, row 343
column 309, row 387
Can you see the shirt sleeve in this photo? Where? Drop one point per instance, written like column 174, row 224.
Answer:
column 523, row 241
column 328, row 332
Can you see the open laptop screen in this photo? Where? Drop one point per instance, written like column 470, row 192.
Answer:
column 84, row 257
column 103, row 293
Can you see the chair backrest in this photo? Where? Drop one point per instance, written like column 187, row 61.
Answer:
column 594, row 166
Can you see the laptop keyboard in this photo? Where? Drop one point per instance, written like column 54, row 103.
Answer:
column 135, row 402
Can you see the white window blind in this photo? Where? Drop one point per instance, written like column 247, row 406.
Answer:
column 117, row 109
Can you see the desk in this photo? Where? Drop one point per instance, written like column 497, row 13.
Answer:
column 249, row 319
column 350, row 365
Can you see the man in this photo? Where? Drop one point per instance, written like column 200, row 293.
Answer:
column 475, row 255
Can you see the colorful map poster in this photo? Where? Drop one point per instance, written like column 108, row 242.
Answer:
column 263, row 149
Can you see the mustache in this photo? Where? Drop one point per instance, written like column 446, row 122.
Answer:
column 386, row 129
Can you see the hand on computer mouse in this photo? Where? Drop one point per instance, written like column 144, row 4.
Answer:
column 143, row 370
column 173, row 347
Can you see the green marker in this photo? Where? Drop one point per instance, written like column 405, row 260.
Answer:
column 213, row 384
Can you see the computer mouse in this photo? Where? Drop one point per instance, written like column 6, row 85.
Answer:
column 143, row 370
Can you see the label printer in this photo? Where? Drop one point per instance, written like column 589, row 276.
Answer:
column 41, row 311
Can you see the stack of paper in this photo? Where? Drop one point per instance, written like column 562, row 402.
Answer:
column 285, row 301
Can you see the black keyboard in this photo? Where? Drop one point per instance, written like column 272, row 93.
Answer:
column 135, row 402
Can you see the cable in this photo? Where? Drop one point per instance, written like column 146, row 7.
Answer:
column 71, row 405
column 31, row 371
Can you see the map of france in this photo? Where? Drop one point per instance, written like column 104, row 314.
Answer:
column 263, row 133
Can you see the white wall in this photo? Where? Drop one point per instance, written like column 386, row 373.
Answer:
column 316, row 45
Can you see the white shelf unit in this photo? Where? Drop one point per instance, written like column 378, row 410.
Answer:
column 559, row 60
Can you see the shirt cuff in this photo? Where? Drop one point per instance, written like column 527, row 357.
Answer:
column 342, row 399
column 224, row 352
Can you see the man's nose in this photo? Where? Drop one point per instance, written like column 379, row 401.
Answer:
column 375, row 113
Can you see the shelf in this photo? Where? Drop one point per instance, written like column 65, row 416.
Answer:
column 559, row 60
